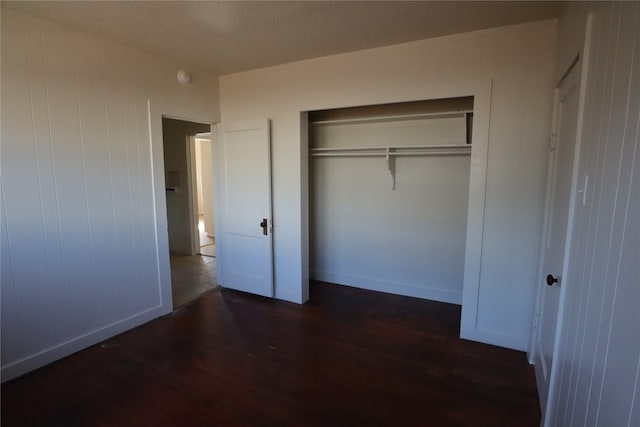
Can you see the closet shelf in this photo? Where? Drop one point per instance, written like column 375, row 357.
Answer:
column 394, row 151
column 395, row 117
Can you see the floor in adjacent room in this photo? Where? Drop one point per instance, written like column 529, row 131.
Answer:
column 194, row 275
column 191, row 277
column 348, row 357
column 207, row 242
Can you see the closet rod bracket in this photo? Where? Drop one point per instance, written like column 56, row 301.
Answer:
column 391, row 165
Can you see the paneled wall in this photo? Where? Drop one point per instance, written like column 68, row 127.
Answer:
column 599, row 352
column 78, row 234
column 518, row 60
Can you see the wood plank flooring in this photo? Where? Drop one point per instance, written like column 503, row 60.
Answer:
column 348, row 357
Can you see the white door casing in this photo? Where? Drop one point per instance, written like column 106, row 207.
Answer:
column 192, row 187
column 560, row 197
column 244, row 238
column 158, row 110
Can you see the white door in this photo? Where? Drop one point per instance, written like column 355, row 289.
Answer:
column 561, row 162
column 244, row 239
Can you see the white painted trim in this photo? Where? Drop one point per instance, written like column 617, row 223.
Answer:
column 42, row 358
column 476, row 211
column 515, row 342
column 531, row 351
column 304, row 206
column 158, row 110
column 215, row 165
column 192, row 195
column 386, row 286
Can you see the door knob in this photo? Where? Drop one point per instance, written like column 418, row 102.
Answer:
column 263, row 224
column 551, row 280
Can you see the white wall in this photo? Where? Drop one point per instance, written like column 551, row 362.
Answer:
column 598, row 358
column 78, row 233
column 175, row 137
column 208, row 186
column 198, row 166
column 409, row 240
column 520, row 60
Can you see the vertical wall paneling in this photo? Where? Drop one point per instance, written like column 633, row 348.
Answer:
column 150, row 296
column 91, row 95
column 612, row 204
column 70, row 183
column 599, row 353
column 52, row 238
column 22, row 208
column 136, row 245
column 9, row 316
column 79, row 258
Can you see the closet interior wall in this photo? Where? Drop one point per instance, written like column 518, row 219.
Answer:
column 389, row 188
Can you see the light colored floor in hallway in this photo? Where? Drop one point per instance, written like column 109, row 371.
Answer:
column 191, row 277
column 207, row 244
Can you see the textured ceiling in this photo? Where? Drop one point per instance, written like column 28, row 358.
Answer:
column 226, row 37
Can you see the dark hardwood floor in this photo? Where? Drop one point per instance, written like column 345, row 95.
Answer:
column 348, row 357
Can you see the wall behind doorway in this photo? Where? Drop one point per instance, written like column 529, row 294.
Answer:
column 207, row 176
column 175, row 137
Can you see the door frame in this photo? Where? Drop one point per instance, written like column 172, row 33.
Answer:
column 192, row 194
column 158, row 110
column 581, row 60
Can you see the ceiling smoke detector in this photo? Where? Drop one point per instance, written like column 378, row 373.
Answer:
column 184, row 77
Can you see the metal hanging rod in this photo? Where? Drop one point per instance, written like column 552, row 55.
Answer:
column 396, row 147
column 408, row 154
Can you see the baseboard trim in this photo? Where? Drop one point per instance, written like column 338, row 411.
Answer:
column 42, row 358
column 389, row 287
column 499, row 339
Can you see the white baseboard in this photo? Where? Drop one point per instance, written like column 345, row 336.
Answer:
column 389, row 287
column 42, row 358
column 499, row 339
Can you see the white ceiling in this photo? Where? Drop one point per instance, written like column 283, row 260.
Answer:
column 230, row 36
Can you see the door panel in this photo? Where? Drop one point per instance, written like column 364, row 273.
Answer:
column 245, row 252
column 561, row 162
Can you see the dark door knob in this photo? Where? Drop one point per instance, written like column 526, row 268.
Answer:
column 264, row 226
column 551, row 280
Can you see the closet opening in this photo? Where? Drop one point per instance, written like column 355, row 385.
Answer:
column 389, row 196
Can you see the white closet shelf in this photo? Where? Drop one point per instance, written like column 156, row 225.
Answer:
column 444, row 114
column 394, row 150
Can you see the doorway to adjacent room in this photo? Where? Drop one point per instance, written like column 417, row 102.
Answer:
column 189, row 197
